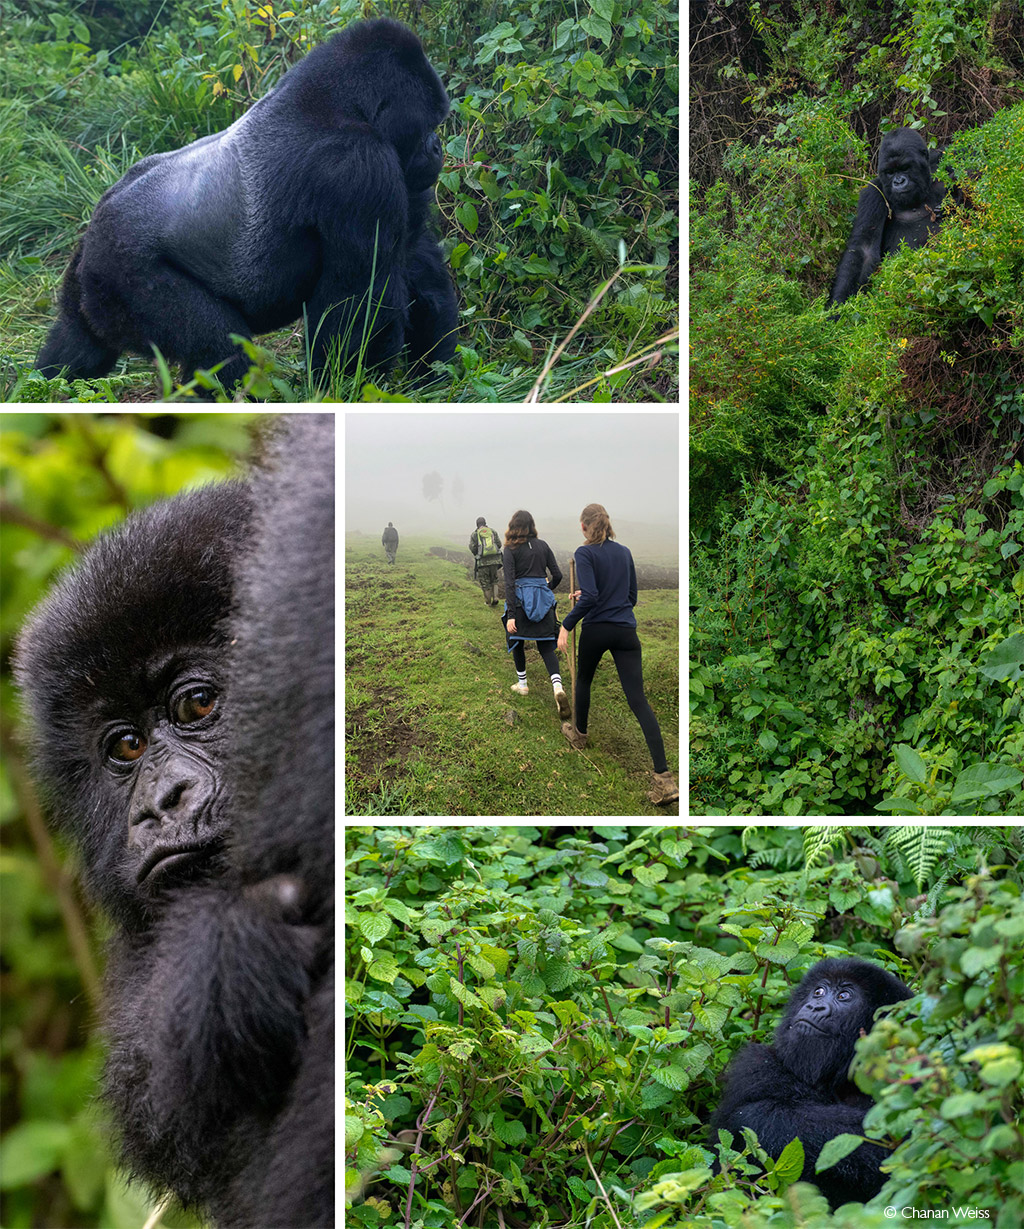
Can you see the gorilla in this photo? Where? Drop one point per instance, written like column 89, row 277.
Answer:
column 315, row 202
column 799, row 1087
column 902, row 204
column 187, row 748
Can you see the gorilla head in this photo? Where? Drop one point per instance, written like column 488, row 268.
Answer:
column 124, row 667
column 834, row 1002
column 904, row 168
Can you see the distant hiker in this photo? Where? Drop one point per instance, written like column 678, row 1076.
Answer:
column 605, row 600
column 389, row 540
column 485, row 544
column 530, row 603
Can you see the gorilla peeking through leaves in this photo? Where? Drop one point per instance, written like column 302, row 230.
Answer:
column 902, row 204
column 799, row 1087
column 317, row 200
column 180, row 681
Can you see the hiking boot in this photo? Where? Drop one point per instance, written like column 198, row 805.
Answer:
column 520, row 689
column 578, row 740
column 665, row 789
column 562, row 700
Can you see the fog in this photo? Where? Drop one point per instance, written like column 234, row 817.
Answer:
column 491, row 464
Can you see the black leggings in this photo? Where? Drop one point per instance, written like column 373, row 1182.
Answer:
column 546, row 648
column 624, row 645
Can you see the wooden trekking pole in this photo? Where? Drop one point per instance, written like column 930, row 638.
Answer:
column 572, row 654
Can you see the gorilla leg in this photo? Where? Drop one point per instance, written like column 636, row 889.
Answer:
column 71, row 343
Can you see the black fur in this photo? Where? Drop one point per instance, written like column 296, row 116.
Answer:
column 219, row 1011
column 903, row 204
column 314, row 199
column 799, row 1086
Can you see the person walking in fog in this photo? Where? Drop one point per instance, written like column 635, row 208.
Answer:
column 389, row 540
column 530, row 603
column 485, row 544
column 604, row 601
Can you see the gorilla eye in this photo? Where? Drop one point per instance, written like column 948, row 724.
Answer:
column 127, row 747
column 194, row 705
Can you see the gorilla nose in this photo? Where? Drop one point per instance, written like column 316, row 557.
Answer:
column 899, row 182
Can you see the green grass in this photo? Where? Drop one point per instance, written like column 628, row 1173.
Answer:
column 428, row 701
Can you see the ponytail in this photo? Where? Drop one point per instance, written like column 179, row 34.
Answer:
column 596, row 524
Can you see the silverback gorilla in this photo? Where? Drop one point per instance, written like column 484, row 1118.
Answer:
column 799, row 1087
column 180, row 683
column 902, row 204
column 316, row 201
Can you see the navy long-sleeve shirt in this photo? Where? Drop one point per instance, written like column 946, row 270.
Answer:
column 606, row 578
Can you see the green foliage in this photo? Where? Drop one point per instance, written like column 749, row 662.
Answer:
column 63, row 479
column 537, row 1017
column 857, row 512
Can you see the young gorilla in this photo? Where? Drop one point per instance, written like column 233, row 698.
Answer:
column 302, row 204
column 903, row 204
column 799, row 1087
column 219, row 972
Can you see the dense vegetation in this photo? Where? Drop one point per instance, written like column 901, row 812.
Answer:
column 537, row 1019
column 561, row 173
column 62, row 480
column 857, row 481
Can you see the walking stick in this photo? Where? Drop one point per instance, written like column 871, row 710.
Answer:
column 572, row 655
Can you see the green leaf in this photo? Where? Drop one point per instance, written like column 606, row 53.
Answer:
column 984, row 780
column 31, row 1150
column 910, row 763
column 838, row 1146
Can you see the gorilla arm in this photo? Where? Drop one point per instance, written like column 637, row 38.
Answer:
column 206, row 1015
column 863, row 252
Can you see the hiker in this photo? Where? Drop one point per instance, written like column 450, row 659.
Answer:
column 485, row 544
column 605, row 600
column 389, row 540
column 530, row 603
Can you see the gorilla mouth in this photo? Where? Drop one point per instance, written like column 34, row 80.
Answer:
column 175, row 861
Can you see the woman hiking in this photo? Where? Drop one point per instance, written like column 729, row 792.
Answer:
column 530, row 603
column 605, row 599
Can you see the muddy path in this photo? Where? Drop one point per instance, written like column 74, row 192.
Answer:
column 648, row 575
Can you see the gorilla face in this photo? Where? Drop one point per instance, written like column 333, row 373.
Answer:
column 123, row 667
column 159, row 758
column 903, row 168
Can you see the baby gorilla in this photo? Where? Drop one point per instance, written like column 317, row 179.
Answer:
column 799, row 1087
column 220, row 942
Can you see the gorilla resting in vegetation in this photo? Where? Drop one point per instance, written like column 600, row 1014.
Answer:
column 199, row 790
column 799, row 1087
column 903, row 203
column 316, row 200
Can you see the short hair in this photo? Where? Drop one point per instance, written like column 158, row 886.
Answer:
column 481, row 520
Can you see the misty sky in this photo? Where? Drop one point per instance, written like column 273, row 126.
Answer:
column 551, row 464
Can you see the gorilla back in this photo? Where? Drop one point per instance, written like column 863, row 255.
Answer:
column 302, row 204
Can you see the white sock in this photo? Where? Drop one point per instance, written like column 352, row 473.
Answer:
column 556, row 681
column 522, row 677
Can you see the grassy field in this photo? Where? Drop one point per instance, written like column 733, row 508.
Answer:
column 432, row 727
